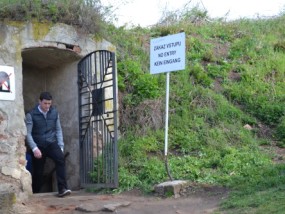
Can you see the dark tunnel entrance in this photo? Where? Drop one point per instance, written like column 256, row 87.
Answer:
column 55, row 70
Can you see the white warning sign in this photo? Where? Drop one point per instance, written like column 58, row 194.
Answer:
column 7, row 83
column 167, row 53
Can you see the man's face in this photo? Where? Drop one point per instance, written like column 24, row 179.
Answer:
column 45, row 105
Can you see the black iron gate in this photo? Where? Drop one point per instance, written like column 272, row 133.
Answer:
column 98, row 129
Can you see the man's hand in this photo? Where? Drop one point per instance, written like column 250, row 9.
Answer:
column 38, row 153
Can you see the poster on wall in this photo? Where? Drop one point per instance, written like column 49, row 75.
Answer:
column 7, row 83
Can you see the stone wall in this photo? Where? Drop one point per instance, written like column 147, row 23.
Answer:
column 64, row 40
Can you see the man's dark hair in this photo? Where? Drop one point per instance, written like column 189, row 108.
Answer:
column 45, row 96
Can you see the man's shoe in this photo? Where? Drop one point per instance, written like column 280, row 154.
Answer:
column 64, row 192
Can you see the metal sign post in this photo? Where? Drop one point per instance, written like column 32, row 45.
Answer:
column 166, row 114
column 166, row 126
column 167, row 54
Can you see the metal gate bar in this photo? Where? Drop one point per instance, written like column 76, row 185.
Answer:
column 97, row 87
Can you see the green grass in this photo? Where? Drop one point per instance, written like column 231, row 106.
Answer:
column 234, row 76
column 264, row 195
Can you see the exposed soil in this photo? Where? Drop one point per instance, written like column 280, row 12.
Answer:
column 195, row 200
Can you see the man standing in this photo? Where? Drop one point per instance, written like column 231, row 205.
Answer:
column 45, row 139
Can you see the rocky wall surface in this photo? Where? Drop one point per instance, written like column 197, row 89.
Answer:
column 15, row 180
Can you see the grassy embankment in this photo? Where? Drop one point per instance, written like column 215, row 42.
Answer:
column 234, row 76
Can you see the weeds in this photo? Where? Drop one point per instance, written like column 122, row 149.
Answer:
column 207, row 140
column 87, row 15
column 234, row 76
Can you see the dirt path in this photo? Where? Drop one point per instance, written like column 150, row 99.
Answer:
column 195, row 201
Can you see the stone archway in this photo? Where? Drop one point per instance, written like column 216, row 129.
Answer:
column 41, row 55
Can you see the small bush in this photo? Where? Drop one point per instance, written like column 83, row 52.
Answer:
column 200, row 75
column 139, row 85
column 127, row 180
column 280, row 130
column 280, row 46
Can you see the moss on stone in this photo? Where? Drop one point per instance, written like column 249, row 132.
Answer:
column 7, row 200
column 112, row 48
column 17, row 24
column 18, row 46
column 40, row 30
column 97, row 38
column 2, row 37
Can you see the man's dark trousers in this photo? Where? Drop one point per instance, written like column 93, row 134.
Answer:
column 54, row 152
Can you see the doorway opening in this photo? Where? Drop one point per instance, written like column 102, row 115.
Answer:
column 55, row 70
